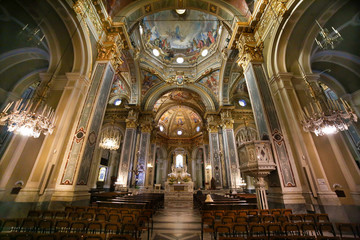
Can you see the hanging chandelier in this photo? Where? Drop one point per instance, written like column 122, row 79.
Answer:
column 28, row 117
column 324, row 116
column 329, row 40
column 110, row 139
column 242, row 183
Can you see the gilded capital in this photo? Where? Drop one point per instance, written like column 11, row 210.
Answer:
column 131, row 123
column 212, row 128
column 110, row 50
column 146, row 128
column 249, row 50
column 227, row 124
column 131, row 120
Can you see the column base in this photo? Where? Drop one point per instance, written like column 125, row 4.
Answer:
column 329, row 203
column 292, row 200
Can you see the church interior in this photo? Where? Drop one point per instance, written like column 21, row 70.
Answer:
column 179, row 109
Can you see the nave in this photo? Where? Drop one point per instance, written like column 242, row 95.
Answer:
column 145, row 216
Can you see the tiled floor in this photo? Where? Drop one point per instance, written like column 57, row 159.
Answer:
column 177, row 221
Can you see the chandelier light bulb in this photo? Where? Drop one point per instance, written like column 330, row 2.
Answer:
column 156, row 52
column 329, row 129
column 110, row 139
column 28, row 118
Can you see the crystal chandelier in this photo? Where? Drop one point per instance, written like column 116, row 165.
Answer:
column 329, row 40
column 28, row 117
column 325, row 116
column 242, row 183
column 110, row 139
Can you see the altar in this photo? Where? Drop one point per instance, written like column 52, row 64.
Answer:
column 179, row 191
column 179, row 186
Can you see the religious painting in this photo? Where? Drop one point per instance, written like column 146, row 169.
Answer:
column 166, row 116
column 180, row 96
column 211, row 81
column 118, row 87
column 149, row 80
column 185, row 35
column 194, row 117
column 180, row 120
column 114, row 6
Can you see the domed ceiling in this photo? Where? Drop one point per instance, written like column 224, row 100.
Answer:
column 180, row 122
column 180, row 35
column 181, row 97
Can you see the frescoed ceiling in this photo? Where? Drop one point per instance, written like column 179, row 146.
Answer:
column 184, row 35
column 113, row 6
column 180, row 118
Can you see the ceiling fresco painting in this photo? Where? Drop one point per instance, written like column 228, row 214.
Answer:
column 180, row 118
column 211, row 81
column 184, row 35
column 114, row 6
column 178, row 97
column 149, row 80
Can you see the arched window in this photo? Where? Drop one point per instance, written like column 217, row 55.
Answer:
column 179, row 161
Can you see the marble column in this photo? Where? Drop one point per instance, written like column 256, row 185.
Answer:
column 214, row 150
column 231, row 156
column 127, row 152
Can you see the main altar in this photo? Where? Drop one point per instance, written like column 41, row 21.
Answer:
column 179, row 186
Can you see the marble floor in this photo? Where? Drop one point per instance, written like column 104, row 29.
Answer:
column 178, row 220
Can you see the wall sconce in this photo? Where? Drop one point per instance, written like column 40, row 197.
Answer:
column 149, row 165
column 208, row 167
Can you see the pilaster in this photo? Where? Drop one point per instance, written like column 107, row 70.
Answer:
column 214, row 149
column 144, row 148
column 127, row 151
column 77, row 163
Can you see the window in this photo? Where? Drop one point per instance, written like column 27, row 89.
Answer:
column 102, row 174
column 179, row 161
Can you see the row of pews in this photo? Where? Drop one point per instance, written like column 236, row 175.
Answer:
column 141, row 201
column 229, row 202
